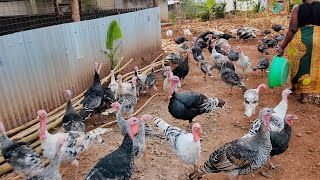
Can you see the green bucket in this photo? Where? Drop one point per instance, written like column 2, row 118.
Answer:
column 279, row 71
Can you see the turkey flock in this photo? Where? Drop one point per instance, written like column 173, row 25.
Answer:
column 269, row 134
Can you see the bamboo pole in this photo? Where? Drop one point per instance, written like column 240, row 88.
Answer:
column 60, row 108
column 31, row 129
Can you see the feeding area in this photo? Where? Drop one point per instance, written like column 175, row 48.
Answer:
column 191, row 89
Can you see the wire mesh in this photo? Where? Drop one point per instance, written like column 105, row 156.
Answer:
column 21, row 15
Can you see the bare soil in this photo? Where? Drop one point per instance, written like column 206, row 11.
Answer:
column 300, row 161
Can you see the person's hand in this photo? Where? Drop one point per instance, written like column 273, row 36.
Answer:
column 280, row 51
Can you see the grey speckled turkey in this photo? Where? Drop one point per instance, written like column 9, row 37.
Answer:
column 24, row 160
column 263, row 64
column 241, row 156
column 231, row 78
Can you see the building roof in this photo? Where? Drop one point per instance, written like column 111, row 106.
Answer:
column 172, row 2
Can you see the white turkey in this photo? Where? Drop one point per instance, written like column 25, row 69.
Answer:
column 241, row 156
column 52, row 171
column 113, row 85
column 125, row 87
column 75, row 142
column 169, row 33
column 276, row 123
column 244, row 62
column 186, row 146
column 251, row 99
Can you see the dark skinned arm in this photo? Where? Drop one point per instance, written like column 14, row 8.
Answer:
column 293, row 28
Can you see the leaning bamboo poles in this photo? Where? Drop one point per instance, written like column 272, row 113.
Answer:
column 29, row 132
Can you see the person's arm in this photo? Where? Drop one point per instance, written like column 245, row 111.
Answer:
column 293, row 28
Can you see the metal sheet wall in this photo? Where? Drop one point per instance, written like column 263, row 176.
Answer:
column 36, row 66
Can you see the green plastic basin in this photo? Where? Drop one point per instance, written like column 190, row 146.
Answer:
column 279, row 71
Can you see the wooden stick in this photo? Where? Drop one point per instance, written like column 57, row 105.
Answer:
column 140, row 109
column 157, row 58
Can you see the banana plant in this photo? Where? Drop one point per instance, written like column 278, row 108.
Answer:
column 113, row 33
column 207, row 8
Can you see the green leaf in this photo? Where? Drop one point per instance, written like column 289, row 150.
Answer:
column 114, row 33
column 200, row 6
column 210, row 3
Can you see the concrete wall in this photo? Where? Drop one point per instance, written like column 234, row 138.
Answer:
column 36, row 66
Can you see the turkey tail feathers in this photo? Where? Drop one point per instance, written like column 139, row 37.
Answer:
column 211, row 104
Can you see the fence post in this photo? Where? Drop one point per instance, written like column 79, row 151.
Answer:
column 75, row 10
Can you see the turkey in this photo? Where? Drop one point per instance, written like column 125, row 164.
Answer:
column 241, row 156
column 279, row 37
column 277, row 27
column 228, row 64
column 139, row 138
column 129, row 101
column 246, row 33
column 75, row 142
column 93, row 97
column 108, row 97
column 72, row 121
column 126, row 87
column 205, row 36
column 231, row 78
column 276, row 123
column 188, row 105
column 151, row 81
column 52, row 171
column 244, row 62
column 263, row 48
column 227, row 36
column 24, row 160
column 279, row 140
column 263, row 64
column 113, row 86
column 206, row 69
column 140, row 81
column 233, row 55
column 197, row 54
column 217, row 58
column 164, row 70
column 167, row 83
column 186, row 146
column 271, row 42
column 119, row 163
column 180, row 39
column 174, row 58
column 251, row 99
column 169, row 33
column 222, row 43
column 266, row 32
column 182, row 69
column 182, row 49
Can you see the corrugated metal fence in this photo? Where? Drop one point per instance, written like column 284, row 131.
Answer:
column 36, row 66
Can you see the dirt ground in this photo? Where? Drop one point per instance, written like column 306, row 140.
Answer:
column 300, row 162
